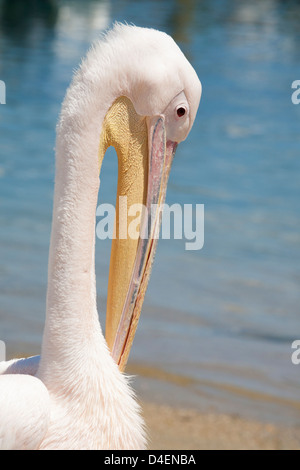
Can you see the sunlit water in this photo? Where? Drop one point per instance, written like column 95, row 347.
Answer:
column 220, row 321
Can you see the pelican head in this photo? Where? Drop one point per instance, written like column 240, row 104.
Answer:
column 145, row 124
column 135, row 91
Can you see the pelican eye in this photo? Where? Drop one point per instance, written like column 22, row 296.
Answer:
column 181, row 111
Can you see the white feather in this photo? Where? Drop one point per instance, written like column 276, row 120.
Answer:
column 25, row 412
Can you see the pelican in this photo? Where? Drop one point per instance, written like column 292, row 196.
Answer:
column 136, row 91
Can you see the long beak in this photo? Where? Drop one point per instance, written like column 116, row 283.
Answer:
column 131, row 260
column 160, row 160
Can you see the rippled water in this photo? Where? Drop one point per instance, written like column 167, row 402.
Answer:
column 219, row 321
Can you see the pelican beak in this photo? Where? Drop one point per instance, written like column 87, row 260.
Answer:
column 145, row 159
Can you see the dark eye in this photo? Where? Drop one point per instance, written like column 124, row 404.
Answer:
column 181, row 111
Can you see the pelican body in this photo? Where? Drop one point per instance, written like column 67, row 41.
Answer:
column 136, row 91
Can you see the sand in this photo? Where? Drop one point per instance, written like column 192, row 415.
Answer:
column 176, row 427
column 186, row 429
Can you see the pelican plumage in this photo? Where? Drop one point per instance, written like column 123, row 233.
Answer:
column 136, row 91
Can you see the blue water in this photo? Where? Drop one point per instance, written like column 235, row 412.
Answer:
column 223, row 317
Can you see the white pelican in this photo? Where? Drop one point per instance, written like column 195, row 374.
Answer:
column 137, row 92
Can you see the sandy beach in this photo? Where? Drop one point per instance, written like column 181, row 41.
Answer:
column 186, row 429
column 175, row 425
